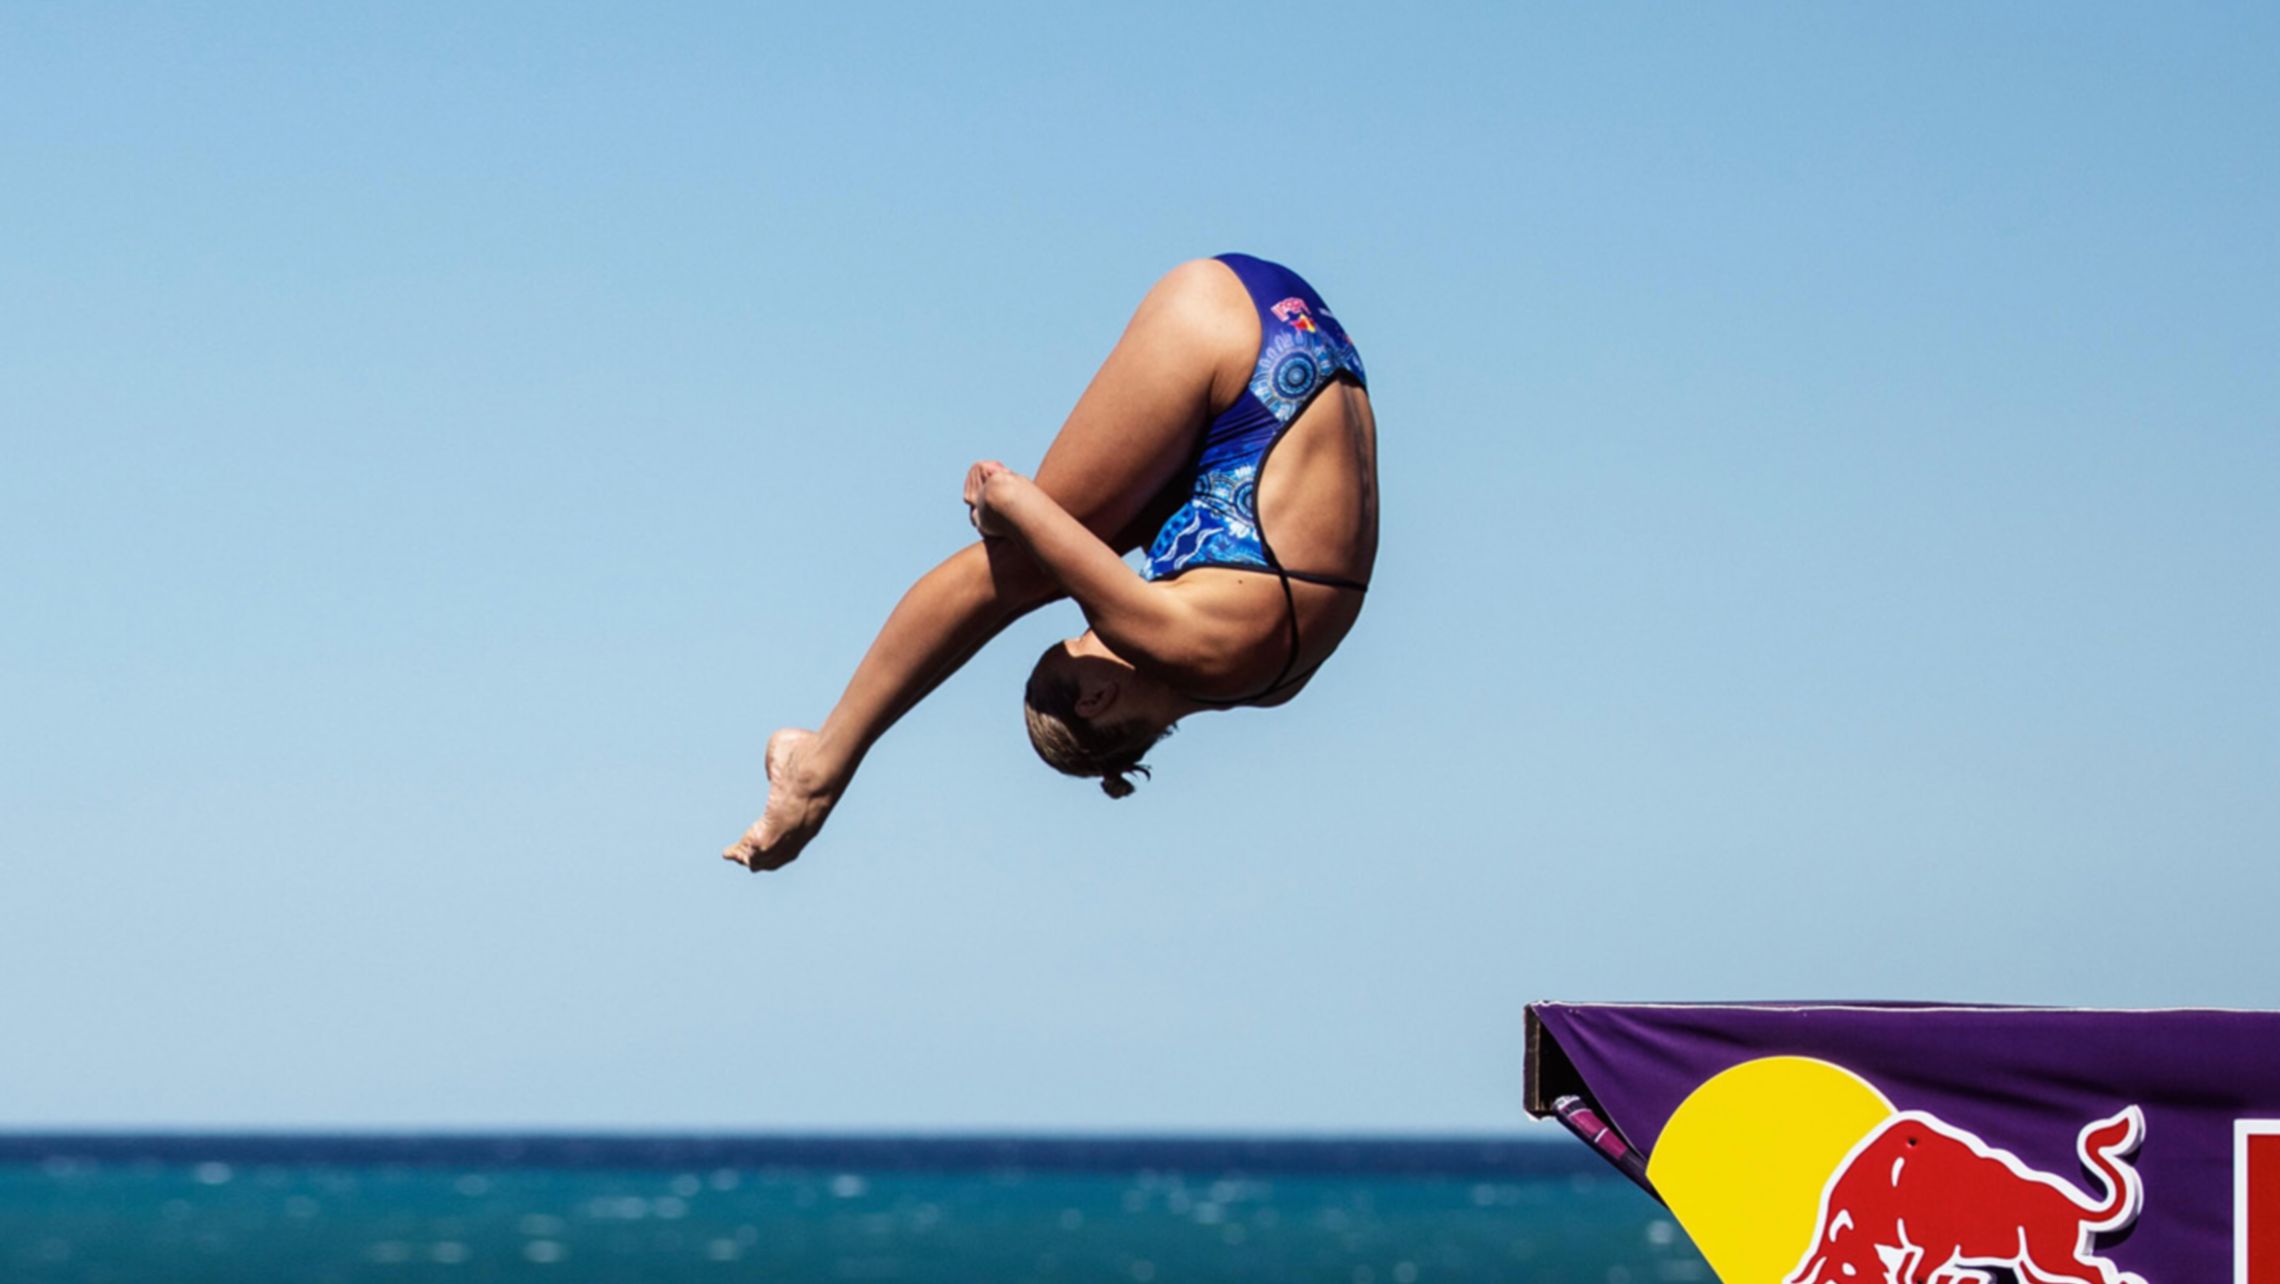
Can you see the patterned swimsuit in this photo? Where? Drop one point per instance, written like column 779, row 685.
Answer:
column 1302, row 348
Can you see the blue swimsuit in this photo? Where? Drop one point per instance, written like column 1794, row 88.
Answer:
column 1302, row 348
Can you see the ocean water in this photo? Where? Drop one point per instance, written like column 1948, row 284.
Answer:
column 625, row 1210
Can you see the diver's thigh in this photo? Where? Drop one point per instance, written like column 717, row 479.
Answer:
column 1138, row 424
column 1141, row 531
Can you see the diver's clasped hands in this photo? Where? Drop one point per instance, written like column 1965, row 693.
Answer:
column 987, row 485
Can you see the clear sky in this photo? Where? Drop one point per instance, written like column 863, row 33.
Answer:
column 1831, row 466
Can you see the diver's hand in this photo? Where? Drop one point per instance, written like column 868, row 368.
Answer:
column 978, row 509
column 797, row 806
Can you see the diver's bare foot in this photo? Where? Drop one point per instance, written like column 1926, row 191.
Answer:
column 797, row 807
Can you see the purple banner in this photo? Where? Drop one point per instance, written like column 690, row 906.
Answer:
column 1919, row 1144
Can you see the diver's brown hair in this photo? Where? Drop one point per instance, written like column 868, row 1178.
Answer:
column 1074, row 746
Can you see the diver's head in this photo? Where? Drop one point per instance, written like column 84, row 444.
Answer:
column 1092, row 714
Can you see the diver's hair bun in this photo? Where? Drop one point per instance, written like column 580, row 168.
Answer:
column 1115, row 785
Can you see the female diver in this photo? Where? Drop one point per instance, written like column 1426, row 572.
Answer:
column 1229, row 365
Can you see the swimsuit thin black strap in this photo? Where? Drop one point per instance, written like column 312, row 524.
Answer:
column 1329, row 581
column 1290, row 613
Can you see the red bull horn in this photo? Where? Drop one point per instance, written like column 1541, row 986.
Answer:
column 1920, row 1201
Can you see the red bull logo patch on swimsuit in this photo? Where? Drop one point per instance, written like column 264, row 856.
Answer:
column 1293, row 313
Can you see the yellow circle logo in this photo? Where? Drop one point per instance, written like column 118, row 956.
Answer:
column 1743, row 1161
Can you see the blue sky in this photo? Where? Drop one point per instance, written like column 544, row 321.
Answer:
column 1831, row 465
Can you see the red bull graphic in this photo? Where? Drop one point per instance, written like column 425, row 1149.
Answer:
column 1925, row 1143
column 1293, row 313
column 1920, row 1201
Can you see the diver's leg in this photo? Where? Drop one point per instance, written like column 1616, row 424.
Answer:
column 1187, row 352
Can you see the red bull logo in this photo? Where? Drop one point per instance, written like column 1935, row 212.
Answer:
column 1927, row 1143
column 1920, row 1201
column 1792, row 1170
column 1292, row 312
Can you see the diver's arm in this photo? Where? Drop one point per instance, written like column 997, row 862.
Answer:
column 1143, row 622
